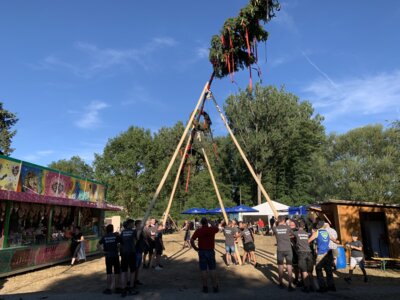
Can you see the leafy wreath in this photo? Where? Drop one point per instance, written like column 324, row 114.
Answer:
column 236, row 46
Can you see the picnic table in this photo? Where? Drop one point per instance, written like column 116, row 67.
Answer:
column 384, row 261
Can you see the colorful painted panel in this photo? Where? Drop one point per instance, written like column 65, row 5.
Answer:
column 81, row 190
column 9, row 174
column 31, row 179
column 56, row 184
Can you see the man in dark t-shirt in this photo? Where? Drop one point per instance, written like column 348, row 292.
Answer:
column 205, row 248
column 248, row 244
column 283, row 234
column 128, row 256
column 305, row 258
column 356, row 257
column 110, row 248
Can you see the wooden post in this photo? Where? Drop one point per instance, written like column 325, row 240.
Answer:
column 220, row 199
column 166, row 213
column 245, row 158
column 164, row 178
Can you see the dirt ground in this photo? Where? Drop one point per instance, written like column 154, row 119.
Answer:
column 180, row 279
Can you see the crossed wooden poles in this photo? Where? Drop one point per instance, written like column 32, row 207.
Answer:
column 206, row 93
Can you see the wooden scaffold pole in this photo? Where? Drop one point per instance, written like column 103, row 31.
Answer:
column 256, row 178
column 164, row 178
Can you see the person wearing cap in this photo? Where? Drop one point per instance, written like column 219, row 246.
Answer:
column 324, row 259
column 206, row 245
column 356, row 257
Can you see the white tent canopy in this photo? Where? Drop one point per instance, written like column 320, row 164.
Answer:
column 264, row 209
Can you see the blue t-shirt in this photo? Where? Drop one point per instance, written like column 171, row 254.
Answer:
column 323, row 241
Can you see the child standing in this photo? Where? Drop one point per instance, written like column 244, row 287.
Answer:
column 356, row 257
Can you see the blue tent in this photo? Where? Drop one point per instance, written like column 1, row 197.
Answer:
column 216, row 211
column 297, row 210
column 195, row 211
column 243, row 208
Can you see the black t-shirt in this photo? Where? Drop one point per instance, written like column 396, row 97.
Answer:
column 302, row 244
column 246, row 236
column 128, row 241
column 159, row 239
column 110, row 244
column 230, row 233
column 283, row 234
column 354, row 252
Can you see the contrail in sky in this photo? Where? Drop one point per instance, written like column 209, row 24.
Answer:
column 319, row 70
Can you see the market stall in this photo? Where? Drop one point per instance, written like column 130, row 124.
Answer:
column 39, row 209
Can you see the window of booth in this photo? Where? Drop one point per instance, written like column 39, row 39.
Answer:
column 28, row 224
column 89, row 221
column 64, row 219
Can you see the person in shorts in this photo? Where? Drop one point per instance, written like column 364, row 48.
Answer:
column 230, row 233
column 304, row 256
column 206, row 245
column 128, row 257
column 356, row 257
column 248, row 244
column 284, row 253
column 110, row 248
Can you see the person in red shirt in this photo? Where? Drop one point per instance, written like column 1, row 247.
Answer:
column 261, row 225
column 206, row 244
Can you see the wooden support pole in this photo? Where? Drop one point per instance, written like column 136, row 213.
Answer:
column 245, row 158
column 220, row 199
column 164, row 178
column 166, row 213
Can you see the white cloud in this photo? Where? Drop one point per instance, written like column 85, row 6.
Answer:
column 202, row 52
column 98, row 59
column 370, row 95
column 37, row 155
column 90, row 119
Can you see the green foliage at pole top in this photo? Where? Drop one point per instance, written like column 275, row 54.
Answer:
column 229, row 50
column 7, row 120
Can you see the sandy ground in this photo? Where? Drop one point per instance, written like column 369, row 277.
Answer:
column 180, row 279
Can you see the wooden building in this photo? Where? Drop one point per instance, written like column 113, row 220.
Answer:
column 378, row 225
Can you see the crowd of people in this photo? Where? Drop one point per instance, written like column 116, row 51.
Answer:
column 127, row 251
column 301, row 247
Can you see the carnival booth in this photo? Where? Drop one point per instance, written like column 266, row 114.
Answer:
column 39, row 209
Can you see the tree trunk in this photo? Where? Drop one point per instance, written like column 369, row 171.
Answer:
column 259, row 196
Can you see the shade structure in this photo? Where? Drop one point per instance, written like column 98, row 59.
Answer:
column 218, row 210
column 243, row 208
column 195, row 211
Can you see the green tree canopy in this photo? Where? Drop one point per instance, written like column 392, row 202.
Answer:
column 75, row 166
column 279, row 134
column 362, row 164
column 7, row 121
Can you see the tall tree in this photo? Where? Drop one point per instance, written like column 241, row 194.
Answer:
column 123, row 166
column 75, row 166
column 7, row 121
column 279, row 134
column 362, row 164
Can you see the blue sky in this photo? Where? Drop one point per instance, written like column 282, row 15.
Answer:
column 80, row 72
